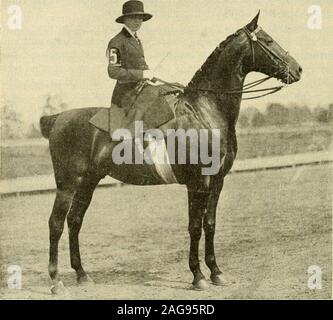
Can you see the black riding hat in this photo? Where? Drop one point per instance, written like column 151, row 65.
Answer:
column 133, row 8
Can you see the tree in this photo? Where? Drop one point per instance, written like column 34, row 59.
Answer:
column 53, row 105
column 330, row 112
column 48, row 108
column 258, row 120
column 299, row 115
column 11, row 124
column 277, row 114
column 243, row 121
column 321, row 114
column 33, row 132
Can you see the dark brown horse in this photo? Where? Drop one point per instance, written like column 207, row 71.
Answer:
column 81, row 154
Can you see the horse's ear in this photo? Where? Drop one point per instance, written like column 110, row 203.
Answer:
column 254, row 23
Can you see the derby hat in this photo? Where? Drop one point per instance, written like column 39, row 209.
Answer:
column 133, row 8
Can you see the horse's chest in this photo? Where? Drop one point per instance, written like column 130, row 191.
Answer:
column 228, row 150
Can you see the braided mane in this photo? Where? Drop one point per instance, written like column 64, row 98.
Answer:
column 210, row 63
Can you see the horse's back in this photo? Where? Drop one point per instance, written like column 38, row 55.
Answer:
column 80, row 116
column 73, row 123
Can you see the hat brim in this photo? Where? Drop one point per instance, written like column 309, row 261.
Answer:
column 145, row 16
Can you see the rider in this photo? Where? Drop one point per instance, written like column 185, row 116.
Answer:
column 126, row 57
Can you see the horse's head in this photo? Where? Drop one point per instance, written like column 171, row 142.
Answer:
column 265, row 55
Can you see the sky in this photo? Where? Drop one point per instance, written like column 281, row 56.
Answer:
column 60, row 49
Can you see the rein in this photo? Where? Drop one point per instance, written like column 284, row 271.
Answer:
column 245, row 89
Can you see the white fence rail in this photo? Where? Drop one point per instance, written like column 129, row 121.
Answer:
column 24, row 143
column 43, row 184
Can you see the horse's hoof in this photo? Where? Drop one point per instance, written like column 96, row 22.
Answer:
column 201, row 285
column 85, row 280
column 218, row 280
column 59, row 289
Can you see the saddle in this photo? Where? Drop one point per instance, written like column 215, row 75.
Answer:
column 154, row 105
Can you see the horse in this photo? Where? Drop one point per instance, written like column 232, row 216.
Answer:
column 81, row 153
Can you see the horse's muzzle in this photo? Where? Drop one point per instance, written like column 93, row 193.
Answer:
column 293, row 72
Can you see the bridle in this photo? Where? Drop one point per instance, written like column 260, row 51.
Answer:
column 246, row 88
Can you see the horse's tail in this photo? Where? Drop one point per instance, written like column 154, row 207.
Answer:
column 46, row 124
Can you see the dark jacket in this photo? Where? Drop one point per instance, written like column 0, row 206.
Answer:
column 126, row 63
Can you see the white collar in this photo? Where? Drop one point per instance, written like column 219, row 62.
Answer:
column 130, row 31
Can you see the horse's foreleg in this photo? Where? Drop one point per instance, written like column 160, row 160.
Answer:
column 197, row 203
column 81, row 202
column 209, row 228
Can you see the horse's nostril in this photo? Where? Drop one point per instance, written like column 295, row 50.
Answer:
column 300, row 70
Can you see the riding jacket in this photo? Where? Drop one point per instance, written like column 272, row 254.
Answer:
column 126, row 63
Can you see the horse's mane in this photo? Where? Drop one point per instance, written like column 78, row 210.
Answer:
column 210, row 62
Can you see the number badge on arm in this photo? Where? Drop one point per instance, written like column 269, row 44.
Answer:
column 114, row 57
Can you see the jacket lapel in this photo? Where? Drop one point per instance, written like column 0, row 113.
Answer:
column 132, row 41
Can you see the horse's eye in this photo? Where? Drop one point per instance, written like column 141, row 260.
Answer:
column 269, row 41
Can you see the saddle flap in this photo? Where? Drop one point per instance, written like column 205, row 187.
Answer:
column 149, row 106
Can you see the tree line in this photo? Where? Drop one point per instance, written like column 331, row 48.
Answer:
column 276, row 114
column 14, row 127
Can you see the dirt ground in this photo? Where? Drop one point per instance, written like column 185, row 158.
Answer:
column 271, row 226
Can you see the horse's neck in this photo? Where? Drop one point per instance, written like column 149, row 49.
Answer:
column 229, row 104
column 226, row 106
column 225, row 73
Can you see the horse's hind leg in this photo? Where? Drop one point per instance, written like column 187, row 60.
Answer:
column 80, row 204
column 60, row 209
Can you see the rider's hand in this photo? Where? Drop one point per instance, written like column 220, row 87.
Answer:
column 148, row 74
column 152, row 83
